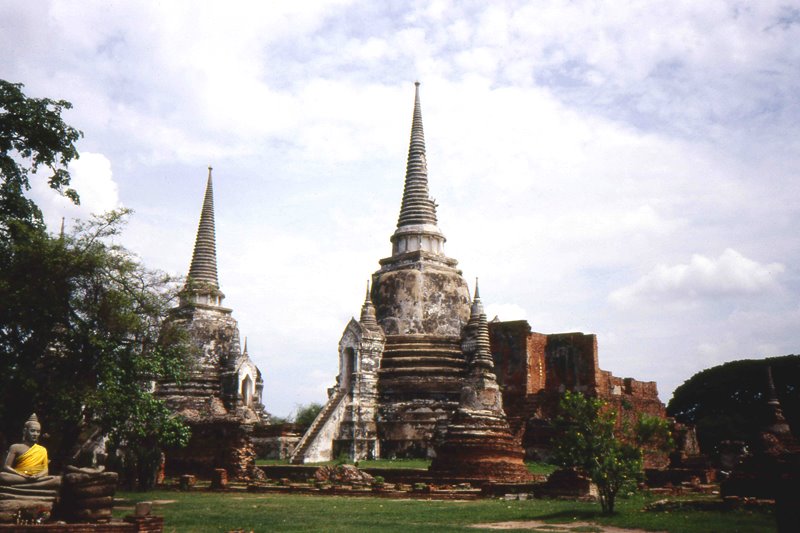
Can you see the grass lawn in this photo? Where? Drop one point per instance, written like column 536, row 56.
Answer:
column 215, row 512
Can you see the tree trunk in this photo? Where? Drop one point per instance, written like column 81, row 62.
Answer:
column 607, row 500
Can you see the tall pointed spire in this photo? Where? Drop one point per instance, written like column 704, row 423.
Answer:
column 204, row 258
column 478, row 330
column 416, row 226
column 417, row 206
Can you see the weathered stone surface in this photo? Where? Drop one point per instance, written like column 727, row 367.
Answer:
column 420, row 294
column 275, row 441
column 25, row 484
column 215, row 443
column 87, row 497
column 220, row 479
column 342, row 474
column 568, row 483
column 347, row 422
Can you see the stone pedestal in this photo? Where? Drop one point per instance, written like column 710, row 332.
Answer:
column 87, row 497
column 219, row 480
column 31, row 504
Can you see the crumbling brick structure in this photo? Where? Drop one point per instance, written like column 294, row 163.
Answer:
column 535, row 369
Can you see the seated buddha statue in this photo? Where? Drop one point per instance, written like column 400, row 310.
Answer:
column 26, row 464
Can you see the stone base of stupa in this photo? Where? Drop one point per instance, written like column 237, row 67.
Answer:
column 479, row 449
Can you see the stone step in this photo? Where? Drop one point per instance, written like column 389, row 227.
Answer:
column 413, row 362
column 421, row 371
column 391, row 353
column 443, row 343
column 319, row 421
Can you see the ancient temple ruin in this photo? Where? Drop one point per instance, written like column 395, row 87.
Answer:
column 402, row 368
column 478, row 445
column 220, row 397
column 534, row 369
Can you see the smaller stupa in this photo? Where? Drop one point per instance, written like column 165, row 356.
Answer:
column 478, row 445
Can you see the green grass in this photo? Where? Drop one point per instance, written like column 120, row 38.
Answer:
column 215, row 512
column 271, row 462
column 395, row 463
column 540, row 468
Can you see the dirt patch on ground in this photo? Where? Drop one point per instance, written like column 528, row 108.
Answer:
column 573, row 527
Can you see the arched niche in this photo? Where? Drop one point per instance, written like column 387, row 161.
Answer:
column 247, row 390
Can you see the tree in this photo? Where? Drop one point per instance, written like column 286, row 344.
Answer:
column 586, row 441
column 81, row 319
column 728, row 401
column 306, row 414
column 32, row 136
column 82, row 336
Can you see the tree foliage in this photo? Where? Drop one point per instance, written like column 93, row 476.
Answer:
column 81, row 319
column 586, row 440
column 81, row 336
column 306, row 414
column 728, row 402
column 33, row 136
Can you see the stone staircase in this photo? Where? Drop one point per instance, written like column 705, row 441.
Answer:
column 313, row 430
column 410, row 358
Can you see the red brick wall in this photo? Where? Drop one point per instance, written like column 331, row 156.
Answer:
column 534, row 369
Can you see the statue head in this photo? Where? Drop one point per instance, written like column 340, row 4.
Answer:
column 31, row 430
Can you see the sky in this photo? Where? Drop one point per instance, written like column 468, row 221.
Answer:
column 628, row 169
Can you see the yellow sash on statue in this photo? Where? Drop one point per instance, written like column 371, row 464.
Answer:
column 33, row 461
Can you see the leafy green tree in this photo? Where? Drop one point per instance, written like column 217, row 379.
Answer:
column 81, row 319
column 727, row 402
column 586, row 440
column 81, row 337
column 306, row 414
column 33, row 136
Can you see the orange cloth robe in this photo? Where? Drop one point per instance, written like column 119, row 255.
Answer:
column 32, row 461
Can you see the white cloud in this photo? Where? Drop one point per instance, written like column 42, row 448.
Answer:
column 94, row 181
column 505, row 311
column 92, row 178
column 572, row 146
column 731, row 274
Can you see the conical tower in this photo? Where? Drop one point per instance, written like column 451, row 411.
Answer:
column 202, row 283
column 400, row 365
column 418, row 290
column 478, row 445
column 422, row 303
column 416, row 226
column 220, row 394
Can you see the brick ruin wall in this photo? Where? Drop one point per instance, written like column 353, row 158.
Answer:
column 534, row 370
column 215, row 443
column 276, row 441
